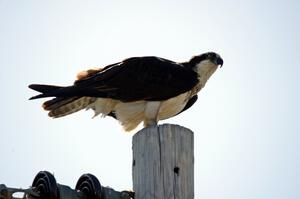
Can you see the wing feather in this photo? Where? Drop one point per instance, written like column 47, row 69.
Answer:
column 139, row 78
column 136, row 78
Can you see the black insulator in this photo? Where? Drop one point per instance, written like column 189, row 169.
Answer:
column 90, row 186
column 44, row 184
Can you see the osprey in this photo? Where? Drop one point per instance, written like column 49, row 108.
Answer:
column 135, row 90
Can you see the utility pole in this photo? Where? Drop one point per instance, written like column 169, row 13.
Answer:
column 163, row 163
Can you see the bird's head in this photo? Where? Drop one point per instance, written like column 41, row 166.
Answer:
column 206, row 64
column 209, row 57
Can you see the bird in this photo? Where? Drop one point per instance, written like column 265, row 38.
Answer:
column 136, row 90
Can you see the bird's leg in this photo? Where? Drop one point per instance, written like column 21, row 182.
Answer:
column 151, row 112
column 149, row 123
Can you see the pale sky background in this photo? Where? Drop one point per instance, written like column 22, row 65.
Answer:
column 246, row 121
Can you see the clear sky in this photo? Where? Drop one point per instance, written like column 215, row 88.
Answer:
column 246, row 120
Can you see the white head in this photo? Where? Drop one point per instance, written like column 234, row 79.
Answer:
column 205, row 65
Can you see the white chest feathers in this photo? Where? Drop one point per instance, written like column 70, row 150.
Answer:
column 131, row 114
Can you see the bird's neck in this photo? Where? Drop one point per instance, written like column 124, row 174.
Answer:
column 205, row 69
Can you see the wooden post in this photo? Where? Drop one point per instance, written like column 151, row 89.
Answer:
column 163, row 163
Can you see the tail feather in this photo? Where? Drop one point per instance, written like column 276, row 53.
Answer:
column 58, row 102
column 45, row 90
column 60, row 106
column 66, row 101
column 53, row 91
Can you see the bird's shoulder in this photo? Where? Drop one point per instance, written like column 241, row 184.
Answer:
column 152, row 61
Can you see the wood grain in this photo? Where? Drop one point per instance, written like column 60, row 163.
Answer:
column 163, row 163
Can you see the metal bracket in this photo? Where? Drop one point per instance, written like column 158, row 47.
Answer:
column 8, row 192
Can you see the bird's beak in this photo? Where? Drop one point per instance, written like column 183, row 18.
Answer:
column 219, row 61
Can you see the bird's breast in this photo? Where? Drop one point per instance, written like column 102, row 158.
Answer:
column 173, row 106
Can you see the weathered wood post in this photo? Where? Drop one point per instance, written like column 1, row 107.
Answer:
column 163, row 163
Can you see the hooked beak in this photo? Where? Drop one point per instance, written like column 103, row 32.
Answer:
column 219, row 61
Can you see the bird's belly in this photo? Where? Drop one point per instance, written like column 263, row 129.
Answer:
column 130, row 114
column 172, row 106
